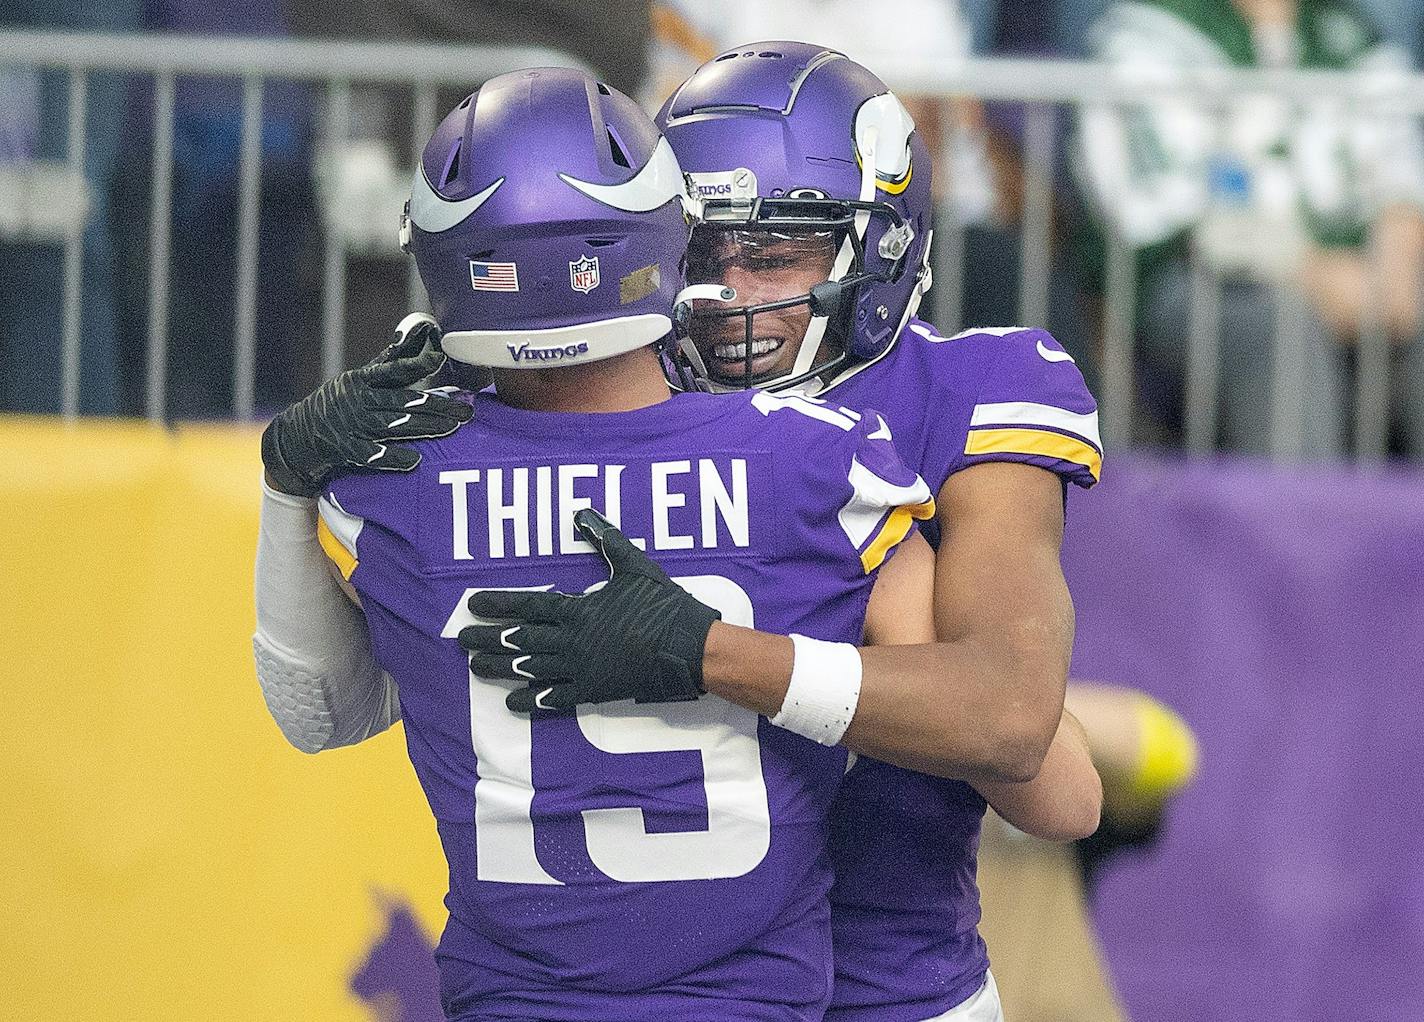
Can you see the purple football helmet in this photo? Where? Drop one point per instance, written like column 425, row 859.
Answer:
column 791, row 139
column 548, row 219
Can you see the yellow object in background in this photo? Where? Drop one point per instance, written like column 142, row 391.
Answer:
column 164, row 853
column 1168, row 751
column 1164, row 761
column 1143, row 749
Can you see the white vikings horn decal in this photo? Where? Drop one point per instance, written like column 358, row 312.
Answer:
column 882, row 130
column 433, row 214
column 660, row 180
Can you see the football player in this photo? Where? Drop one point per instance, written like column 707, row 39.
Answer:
column 816, row 225
column 626, row 862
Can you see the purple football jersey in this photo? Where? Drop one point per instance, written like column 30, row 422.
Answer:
column 626, row 862
column 905, row 905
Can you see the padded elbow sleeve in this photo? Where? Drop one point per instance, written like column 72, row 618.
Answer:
column 312, row 649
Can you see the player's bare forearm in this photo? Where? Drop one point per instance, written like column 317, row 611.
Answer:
column 973, row 705
column 939, row 708
column 896, row 719
column 901, row 718
column 1002, row 604
column 920, row 706
column 1065, row 801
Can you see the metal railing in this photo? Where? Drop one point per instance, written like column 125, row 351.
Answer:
column 1042, row 86
column 254, row 62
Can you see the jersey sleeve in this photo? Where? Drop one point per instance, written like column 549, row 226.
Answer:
column 1032, row 407
column 877, row 499
column 885, row 499
column 366, row 511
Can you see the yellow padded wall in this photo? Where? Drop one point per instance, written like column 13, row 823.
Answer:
column 164, row 854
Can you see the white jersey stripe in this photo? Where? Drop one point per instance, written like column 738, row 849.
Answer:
column 1027, row 413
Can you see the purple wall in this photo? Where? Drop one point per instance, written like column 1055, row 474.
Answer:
column 1282, row 612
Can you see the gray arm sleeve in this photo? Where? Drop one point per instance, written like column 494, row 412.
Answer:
column 318, row 674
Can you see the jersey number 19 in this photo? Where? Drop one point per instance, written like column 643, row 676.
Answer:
column 738, row 830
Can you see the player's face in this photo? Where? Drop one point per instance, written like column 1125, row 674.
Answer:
column 763, row 266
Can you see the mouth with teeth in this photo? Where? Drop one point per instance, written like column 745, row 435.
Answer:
column 728, row 361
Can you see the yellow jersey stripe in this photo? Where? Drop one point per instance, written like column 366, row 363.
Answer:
column 344, row 559
column 1035, row 441
column 896, row 527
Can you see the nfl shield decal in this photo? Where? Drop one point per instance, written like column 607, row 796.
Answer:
column 583, row 274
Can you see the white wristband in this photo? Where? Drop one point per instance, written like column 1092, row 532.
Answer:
column 824, row 690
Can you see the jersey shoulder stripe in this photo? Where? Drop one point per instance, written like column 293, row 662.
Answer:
column 1029, row 405
column 337, row 531
column 886, row 497
column 1033, row 415
column 897, row 526
column 1035, row 442
column 864, row 519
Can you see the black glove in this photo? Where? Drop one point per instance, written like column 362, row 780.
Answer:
column 345, row 423
column 639, row 637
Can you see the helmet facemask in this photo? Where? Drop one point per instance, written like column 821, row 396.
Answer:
column 800, row 261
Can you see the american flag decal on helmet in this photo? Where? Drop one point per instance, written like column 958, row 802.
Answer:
column 493, row 276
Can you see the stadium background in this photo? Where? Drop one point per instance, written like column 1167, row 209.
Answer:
column 166, row 855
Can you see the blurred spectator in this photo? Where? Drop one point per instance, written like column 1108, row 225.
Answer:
column 921, row 32
column 1271, row 200
column 1145, row 754
column 1035, row 895
column 207, row 128
column 1072, row 24
column 994, row 247
column 976, row 171
column 1401, row 22
column 42, row 197
column 19, row 115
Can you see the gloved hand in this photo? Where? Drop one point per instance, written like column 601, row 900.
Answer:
column 641, row 636
column 349, row 422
